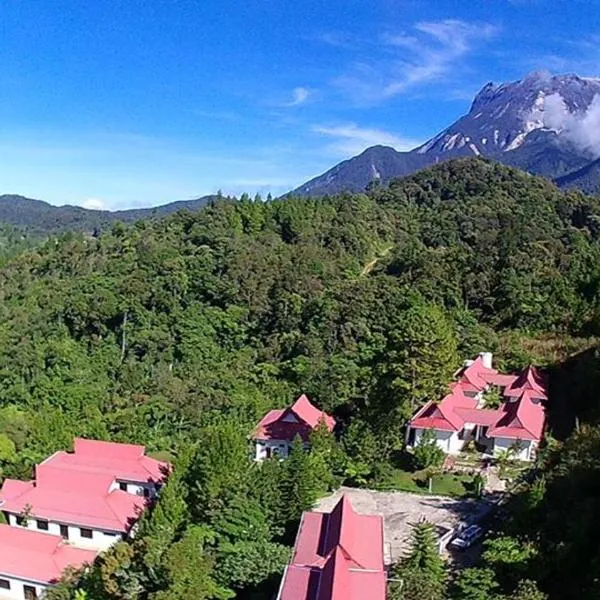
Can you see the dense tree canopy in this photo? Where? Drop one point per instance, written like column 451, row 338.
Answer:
column 187, row 329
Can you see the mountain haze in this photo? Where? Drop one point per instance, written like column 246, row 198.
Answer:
column 42, row 217
column 542, row 124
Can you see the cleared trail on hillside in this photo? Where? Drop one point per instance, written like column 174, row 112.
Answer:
column 371, row 264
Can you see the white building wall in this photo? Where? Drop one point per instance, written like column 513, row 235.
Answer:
column 100, row 540
column 17, row 589
column 448, row 441
column 526, row 452
column 281, row 447
column 135, row 488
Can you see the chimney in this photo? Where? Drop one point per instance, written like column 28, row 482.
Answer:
column 486, row 359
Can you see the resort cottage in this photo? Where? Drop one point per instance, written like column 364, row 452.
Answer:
column 336, row 555
column 277, row 430
column 469, row 411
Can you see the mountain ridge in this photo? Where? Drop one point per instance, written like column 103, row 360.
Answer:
column 41, row 217
column 538, row 124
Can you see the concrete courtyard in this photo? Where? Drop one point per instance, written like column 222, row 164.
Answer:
column 400, row 510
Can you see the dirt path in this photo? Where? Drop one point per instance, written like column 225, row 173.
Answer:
column 371, row 265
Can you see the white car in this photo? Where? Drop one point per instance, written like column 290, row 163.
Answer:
column 467, row 537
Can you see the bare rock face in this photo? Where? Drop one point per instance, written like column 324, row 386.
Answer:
column 545, row 124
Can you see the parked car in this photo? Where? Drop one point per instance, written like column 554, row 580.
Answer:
column 467, row 537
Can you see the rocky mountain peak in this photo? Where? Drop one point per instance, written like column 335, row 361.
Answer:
column 502, row 116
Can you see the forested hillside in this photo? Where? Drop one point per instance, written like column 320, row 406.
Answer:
column 40, row 218
column 179, row 334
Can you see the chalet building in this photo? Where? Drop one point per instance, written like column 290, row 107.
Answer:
column 30, row 562
column 337, row 555
column 463, row 415
column 277, row 430
column 91, row 497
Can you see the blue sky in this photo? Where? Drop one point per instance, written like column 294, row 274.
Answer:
column 123, row 103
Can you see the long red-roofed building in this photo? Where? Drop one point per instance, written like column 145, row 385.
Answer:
column 337, row 556
column 277, row 430
column 30, row 562
column 91, row 497
column 517, row 424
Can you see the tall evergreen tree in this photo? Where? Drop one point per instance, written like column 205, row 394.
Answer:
column 421, row 573
column 299, row 484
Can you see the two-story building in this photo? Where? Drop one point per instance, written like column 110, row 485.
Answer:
column 90, row 497
column 277, row 430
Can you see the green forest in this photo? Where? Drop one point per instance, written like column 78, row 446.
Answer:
column 180, row 333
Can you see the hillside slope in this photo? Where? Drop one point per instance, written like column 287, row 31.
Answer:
column 193, row 326
column 41, row 217
column 586, row 179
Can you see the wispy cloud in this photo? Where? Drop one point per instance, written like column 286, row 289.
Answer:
column 299, row 96
column 336, row 39
column 581, row 56
column 432, row 51
column 94, row 204
column 350, row 139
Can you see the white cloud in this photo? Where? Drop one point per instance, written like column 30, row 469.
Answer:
column 433, row 51
column 581, row 129
column 94, row 204
column 350, row 139
column 299, row 96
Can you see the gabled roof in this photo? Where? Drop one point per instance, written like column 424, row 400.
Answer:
column 529, row 380
column 125, row 462
column 476, row 374
column 520, row 416
column 38, row 557
column 443, row 415
column 299, row 419
column 80, row 488
column 522, row 419
column 337, row 556
column 87, row 504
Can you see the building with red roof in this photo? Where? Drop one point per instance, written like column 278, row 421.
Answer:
column 30, row 562
column 277, row 430
column 462, row 415
column 337, row 556
column 92, row 496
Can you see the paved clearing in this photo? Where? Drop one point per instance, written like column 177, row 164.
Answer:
column 400, row 510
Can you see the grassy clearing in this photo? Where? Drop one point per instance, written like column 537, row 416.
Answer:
column 455, row 485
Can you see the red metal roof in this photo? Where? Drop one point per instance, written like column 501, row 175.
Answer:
column 477, row 416
column 86, row 504
column 520, row 416
column 520, row 419
column 337, row 556
column 38, row 557
column 125, row 462
column 529, row 380
column 80, row 488
column 299, row 419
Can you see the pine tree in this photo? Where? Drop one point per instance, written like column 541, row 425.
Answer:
column 299, row 484
column 422, row 573
column 527, row 590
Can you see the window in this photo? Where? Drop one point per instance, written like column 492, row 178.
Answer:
column 123, row 486
column 109, row 534
column 43, row 525
column 64, row 532
column 4, row 584
column 86, row 533
column 146, row 492
column 20, row 521
column 29, row 592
